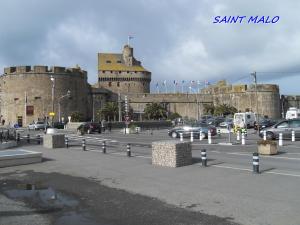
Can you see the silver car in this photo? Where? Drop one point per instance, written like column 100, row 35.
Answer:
column 285, row 127
column 37, row 126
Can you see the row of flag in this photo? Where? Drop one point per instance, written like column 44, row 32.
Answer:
column 190, row 84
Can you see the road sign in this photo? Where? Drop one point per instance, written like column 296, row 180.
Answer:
column 51, row 113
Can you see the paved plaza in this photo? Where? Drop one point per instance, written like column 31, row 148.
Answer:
column 112, row 188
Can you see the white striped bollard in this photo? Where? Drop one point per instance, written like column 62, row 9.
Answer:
column 293, row 136
column 209, row 137
column 219, row 133
column 280, row 140
column 243, row 139
column 203, row 157
column 265, row 135
column 181, row 136
column 255, row 162
column 83, row 145
column 192, row 136
column 200, row 136
column 238, row 138
column 67, row 142
column 128, row 150
column 104, row 147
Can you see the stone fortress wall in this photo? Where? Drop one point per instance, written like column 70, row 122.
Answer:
column 243, row 97
column 34, row 82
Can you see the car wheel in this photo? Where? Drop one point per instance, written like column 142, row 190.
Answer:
column 270, row 135
column 174, row 135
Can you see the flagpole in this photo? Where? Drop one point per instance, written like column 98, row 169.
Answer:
column 25, row 109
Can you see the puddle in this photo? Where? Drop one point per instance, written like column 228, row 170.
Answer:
column 43, row 197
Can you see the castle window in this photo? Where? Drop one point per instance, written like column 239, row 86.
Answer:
column 127, row 71
column 119, row 61
column 109, row 84
column 108, row 61
column 118, row 84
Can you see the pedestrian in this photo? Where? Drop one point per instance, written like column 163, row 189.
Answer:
column 109, row 125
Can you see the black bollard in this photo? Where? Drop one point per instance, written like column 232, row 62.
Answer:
column 128, row 150
column 104, row 147
column 67, row 142
column 255, row 163
column 203, row 157
column 39, row 139
column 18, row 137
column 83, row 145
column 28, row 138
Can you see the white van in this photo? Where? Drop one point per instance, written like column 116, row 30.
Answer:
column 292, row 113
column 244, row 119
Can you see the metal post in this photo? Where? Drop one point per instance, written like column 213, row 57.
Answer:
column 39, row 139
column 67, row 142
column 209, row 137
column 293, row 136
column 104, row 147
column 255, row 82
column 192, row 136
column 18, row 137
column 128, row 150
column 255, row 162
column 58, row 110
column 83, row 145
column 243, row 138
column 28, row 138
column 238, row 138
column 200, row 136
column 280, row 139
column 203, row 157
column 181, row 136
column 52, row 97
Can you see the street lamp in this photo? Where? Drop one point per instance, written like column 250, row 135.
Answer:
column 257, row 117
column 52, row 95
column 60, row 98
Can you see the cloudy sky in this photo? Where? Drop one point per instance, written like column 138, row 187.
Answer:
column 174, row 39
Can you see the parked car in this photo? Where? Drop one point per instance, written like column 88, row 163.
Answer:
column 38, row 126
column 285, row 127
column 227, row 122
column 263, row 123
column 90, row 127
column 59, row 125
column 195, row 128
column 215, row 121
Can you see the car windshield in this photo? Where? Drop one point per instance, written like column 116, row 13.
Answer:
column 228, row 120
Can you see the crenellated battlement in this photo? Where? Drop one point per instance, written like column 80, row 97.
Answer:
column 14, row 70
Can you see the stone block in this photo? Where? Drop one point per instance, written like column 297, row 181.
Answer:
column 9, row 144
column 17, row 157
column 267, row 149
column 171, row 153
column 54, row 141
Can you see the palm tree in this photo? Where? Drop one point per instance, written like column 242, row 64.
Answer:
column 110, row 110
column 155, row 111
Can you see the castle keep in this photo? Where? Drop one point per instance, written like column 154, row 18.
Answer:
column 122, row 73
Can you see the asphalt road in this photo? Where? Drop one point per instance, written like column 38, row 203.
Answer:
column 226, row 189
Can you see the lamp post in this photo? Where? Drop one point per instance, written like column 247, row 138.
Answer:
column 52, row 95
column 60, row 98
column 255, row 82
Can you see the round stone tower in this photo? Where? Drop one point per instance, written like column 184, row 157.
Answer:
column 26, row 93
column 122, row 73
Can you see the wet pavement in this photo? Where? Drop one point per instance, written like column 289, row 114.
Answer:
column 62, row 200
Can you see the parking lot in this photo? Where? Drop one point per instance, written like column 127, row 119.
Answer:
column 226, row 188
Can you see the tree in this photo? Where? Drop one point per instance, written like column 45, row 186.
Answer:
column 110, row 111
column 173, row 116
column 209, row 109
column 77, row 117
column 155, row 111
column 224, row 110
